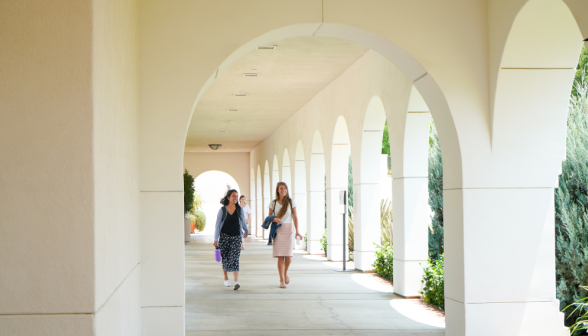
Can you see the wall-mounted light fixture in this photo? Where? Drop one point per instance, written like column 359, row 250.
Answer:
column 215, row 146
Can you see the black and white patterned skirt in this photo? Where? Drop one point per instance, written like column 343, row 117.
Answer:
column 230, row 247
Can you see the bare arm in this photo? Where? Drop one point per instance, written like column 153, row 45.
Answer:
column 295, row 218
column 248, row 218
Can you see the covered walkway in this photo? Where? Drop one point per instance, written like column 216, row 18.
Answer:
column 318, row 300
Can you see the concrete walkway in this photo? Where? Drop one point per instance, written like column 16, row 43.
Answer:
column 318, row 301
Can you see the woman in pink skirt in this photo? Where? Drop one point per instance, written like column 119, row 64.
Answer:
column 284, row 209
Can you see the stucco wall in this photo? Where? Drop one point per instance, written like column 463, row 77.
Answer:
column 46, row 179
column 116, row 186
column 69, row 243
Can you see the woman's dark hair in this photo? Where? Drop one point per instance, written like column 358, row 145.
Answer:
column 225, row 200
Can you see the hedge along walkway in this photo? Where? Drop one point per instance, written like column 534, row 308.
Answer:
column 318, row 301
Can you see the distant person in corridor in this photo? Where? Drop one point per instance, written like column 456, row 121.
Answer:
column 247, row 210
column 284, row 209
column 230, row 227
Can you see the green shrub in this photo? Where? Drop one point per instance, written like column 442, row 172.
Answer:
column 434, row 283
column 384, row 261
column 324, row 242
column 581, row 311
column 200, row 220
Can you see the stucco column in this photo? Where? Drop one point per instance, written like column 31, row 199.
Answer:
column 411, row 210
column 316, row 218
column 301, row 202
column 366, row 224
column 260, row 217
column 253, row 222
column 510, row 291
column 265, row 209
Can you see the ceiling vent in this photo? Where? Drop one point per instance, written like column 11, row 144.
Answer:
column 233, row 109
column 226, row 121
column 266, row 47
column 241, row 94
column 251, row 74
column 222, row 130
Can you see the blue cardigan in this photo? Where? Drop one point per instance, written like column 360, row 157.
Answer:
column 220, row 222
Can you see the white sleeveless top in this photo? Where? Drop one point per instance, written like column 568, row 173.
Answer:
column 288, row 216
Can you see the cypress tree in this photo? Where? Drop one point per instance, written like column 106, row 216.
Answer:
column 571, row 200
column 435, row 195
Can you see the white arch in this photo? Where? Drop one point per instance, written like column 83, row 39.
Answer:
column 161, row 149
column 366, row 188
column 300, row 189
column 316, row 218
column 338, row 181
column 533, row 77
column 286, row 170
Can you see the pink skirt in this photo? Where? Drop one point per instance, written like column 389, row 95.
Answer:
column 284, row 242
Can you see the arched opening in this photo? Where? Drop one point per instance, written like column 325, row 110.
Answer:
column 300, row 190
column 316, row 193
column 212, row 186
column 157, row 162
column 275, row 174
column 337, row 181
column 259, row 204
column 286, row 174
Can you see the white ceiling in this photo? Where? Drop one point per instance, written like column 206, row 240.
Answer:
column 291, row 75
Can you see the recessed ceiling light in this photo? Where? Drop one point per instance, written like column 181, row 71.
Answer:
column 241, row 94
column 233, row 109
column 222, row 130
column 251, row 74
column 214, row 146
column 226, row 121
column 266, row 47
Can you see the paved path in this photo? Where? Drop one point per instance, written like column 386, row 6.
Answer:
column 318, row 301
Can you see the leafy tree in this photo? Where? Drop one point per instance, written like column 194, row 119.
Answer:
column 435, row 195
column 188, row 192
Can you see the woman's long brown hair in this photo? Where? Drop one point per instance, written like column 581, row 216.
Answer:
column 286, row 201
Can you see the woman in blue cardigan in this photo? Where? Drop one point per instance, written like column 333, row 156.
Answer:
column 230, row 227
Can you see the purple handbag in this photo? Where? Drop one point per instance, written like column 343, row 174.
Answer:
column 217, row 254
